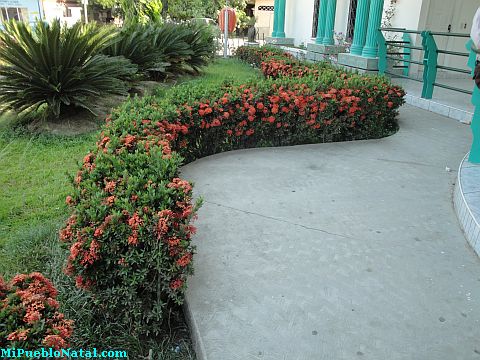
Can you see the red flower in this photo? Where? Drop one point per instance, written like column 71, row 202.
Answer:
column 229, row 132
column 184, row 260
column 55, row 341
column 175, row 284
column 249, row 132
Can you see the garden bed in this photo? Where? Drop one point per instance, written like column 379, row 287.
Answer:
column 130, row 230
column 33, row 174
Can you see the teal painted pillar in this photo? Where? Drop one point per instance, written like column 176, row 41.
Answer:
column 474, row 156
column 374, row 21
column 360, row 30
column 281, row 19
column 322, row 14
column 330, row 22
column 275, row 18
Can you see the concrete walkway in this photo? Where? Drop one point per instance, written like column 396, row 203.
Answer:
column 336, row 251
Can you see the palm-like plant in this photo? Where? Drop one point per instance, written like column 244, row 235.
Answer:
column 162, row 50
column 56, row 66
column 136, row 43
column 200, row 38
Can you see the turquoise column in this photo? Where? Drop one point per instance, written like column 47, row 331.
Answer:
column 330, row 23
column 360, row 30
column 322, row 14
column 475, row 150
column 275, row 18
column 374, row 21
column 281, row 19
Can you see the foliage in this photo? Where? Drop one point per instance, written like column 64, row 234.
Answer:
column 166, row 49
column 129, row 235
column 255, row 55
column 136, row 42
column 29, row 314
column 57, row 67
column 32, row 178
column 32, row 208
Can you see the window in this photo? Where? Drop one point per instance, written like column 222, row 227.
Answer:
column 315, row 18
column 13, row 13
column 352, row 14
column 265, row 8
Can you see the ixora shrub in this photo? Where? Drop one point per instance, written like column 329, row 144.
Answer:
column 255, row 55
column 29, row 317
column 130, row 233
column 58, row 67
column 285, row 111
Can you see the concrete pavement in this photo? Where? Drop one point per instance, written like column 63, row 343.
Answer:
column 336, row 251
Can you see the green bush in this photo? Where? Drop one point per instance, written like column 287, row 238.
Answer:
column 58, row 67
column 255, row 55
column 29, row 314
column 162, row 50
column 129, row 235
column 127, row 185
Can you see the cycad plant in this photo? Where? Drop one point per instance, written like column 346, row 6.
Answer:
column 200, row 38
column 162, row 50
column 53, row 66
column 136, row 43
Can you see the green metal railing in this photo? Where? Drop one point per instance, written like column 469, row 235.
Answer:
column 402, row 51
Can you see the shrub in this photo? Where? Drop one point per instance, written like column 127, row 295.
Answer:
column 162, row 50
column 127, row 186
column 200, row 38
column 135, row 42
column 255, row 55
column 269, row 113
column 129, row 235
column 29, row 314
column 57, row 67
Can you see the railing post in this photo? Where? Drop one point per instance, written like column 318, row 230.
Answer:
column 382, row 53
column 475, row 150
column 430, row 62
column 407, row 54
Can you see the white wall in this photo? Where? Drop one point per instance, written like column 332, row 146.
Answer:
column 407, row 14
column 299, row 19
column 264, row 19
column 438, row 15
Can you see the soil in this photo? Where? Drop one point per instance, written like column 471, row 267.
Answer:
column 82, row 121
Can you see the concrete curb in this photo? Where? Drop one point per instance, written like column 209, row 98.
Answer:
column 469, row 224
column 197, row 341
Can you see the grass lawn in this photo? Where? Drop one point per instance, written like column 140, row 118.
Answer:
column 33, row 187
column 34, row 168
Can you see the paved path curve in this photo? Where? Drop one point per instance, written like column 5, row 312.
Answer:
column 336, row 251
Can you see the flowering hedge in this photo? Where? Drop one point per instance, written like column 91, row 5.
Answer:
column 29, row 317
column 130, row 234
column 255, row 55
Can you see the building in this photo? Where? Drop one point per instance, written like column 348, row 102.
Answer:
column 263, row 10
column 323, row 26
column 68, row 12
column 23, row 10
